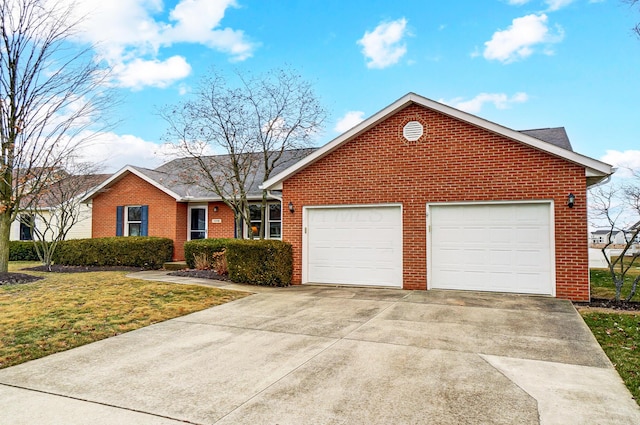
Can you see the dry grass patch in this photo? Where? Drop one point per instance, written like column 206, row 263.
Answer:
column 68, row 310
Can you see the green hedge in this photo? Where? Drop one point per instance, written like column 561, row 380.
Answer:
column 260, row 262
column 22, row 251
column 203, row 246
column 256, row 262
column 133, row 251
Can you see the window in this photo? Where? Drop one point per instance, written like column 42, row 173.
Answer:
column 273, row 221
column 197, row 222
column 133, row 222
column 26, row 227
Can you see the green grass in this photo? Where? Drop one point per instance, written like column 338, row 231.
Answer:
column 602, row 286
column 619, row 336
column 63, row 311
column 618, row 333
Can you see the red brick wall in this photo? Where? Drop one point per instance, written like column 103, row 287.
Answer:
column 455, row 162
column 224, row 213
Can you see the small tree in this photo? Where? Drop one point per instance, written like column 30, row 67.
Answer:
column 252, row 125
column 618, row 207
column 56, row 209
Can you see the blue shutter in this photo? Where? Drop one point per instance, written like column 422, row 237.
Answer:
column 144, row 221
column 119, row 220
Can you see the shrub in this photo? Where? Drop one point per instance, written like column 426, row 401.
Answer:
column 22, row 251
column 220, row 263
column 201, row 261
column 207, row 247
column 260, row 262
column 133, row 251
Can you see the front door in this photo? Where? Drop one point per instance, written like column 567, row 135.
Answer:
column 197, row 222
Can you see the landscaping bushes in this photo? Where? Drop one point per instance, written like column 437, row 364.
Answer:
column 203, row 247
column 256, row 262
column 132, row 251
column 22, row 251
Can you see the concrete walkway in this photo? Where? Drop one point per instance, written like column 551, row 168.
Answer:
column 325, row 355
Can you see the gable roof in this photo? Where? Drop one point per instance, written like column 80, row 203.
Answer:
column 546, row 140
column 181, row 179
column 556, row 136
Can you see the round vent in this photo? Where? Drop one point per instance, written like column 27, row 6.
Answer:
column 412, row 131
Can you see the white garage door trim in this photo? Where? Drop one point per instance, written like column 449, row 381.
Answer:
column 549, row 289
column 395, row 257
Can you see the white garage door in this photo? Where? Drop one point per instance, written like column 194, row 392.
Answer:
column 492, row 247
column 354, row 246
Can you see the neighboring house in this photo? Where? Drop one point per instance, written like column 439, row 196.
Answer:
column 174, row 201
column 48, row 208
column 601, row 236
column 424, row 196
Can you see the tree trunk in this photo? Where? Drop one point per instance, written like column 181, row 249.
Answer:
column 5, row 230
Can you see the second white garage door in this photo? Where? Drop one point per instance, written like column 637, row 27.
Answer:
column 492, row 247
column 354, row 246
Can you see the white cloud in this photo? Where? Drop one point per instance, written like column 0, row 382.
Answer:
column 383, row 46
column 499, row 101
column 113, row 151
column 557, row 4
column 139, row 73
column 518, row 41
column 349, row 120
column 518, row 2
column 624, row 161
column 128, row 34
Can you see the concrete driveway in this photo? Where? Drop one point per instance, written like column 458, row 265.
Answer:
column 310, row 355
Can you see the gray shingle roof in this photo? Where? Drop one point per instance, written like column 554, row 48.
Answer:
column 556, row 136
column 183, row 176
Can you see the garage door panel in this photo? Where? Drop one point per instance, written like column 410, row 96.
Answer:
column 491, row 247
column 354, row 245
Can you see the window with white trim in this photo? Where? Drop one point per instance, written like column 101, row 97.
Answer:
column 133, row 220
column 273, row 221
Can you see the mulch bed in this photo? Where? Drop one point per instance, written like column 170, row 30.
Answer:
column 611, row 304
column 17, row 278
column 200, row 274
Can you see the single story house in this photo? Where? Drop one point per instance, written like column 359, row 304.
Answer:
column 175, row 201
column 418, row 196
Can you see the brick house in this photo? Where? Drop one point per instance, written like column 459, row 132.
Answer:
column 423, row 196
column 173, row 201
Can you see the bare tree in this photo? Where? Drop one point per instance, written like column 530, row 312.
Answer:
column 57, row 208
column 51, row 94
column 618, row 207
column 636, row 28
column 253, row 124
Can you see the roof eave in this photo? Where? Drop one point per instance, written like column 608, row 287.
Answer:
column 118, row 175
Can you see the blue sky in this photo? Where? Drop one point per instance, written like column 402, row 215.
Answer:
column 521, row 63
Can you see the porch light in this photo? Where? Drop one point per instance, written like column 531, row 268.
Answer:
column 571, row 200
column 291, row 209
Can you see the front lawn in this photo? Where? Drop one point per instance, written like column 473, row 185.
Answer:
column 619, row 336
column 617, row 332
column 602, row 286
column 63, row 311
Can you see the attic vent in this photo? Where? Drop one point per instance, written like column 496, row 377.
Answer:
column 412, row 131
